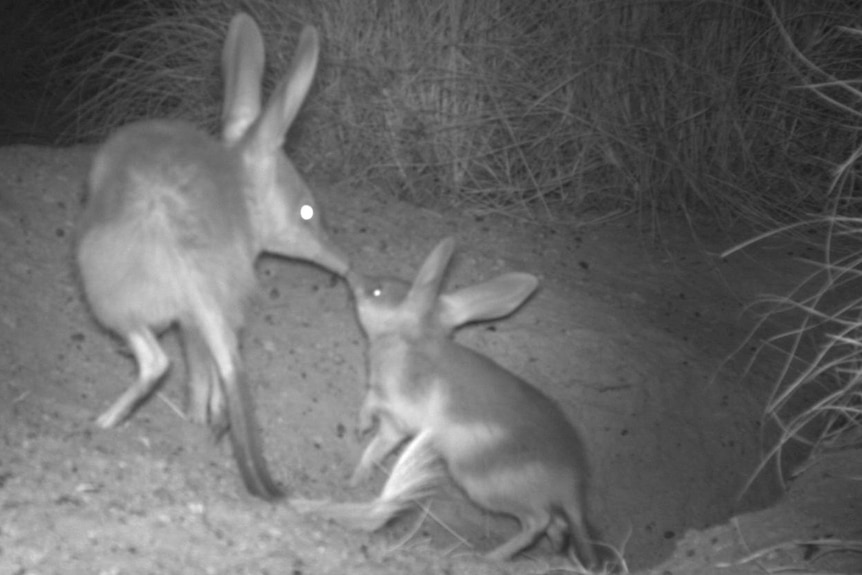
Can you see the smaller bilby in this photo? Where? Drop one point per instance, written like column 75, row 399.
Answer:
column 506, row 444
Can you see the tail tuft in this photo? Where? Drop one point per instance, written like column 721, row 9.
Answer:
column 414, row 476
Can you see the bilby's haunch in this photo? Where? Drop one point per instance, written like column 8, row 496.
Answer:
column 173, row 224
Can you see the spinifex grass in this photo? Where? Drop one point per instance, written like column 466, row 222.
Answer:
column 816, row 402
column 817, row 399
column 564, row 109
column 151, row 59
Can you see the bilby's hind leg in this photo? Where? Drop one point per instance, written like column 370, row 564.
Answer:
column 558, row 534
column 533, row 526
column 152, row 364
column 581, row 536
column 206, row 401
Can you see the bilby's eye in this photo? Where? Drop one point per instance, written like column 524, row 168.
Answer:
column 306, row 212
column 377, row 292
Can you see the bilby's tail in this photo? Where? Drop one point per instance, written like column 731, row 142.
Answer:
column 246, row 442
column 244, row 435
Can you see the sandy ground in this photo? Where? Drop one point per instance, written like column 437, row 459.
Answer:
column 628, row 334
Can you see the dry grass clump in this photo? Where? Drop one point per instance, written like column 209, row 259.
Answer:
column 564, row 109
column 816, row 403
column 34, row 33
column 149, row 59
column 555, row 106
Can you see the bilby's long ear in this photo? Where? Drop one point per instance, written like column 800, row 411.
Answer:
column 242, row 68
column 287, row 98
column 490, row 300
column 426, row 286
